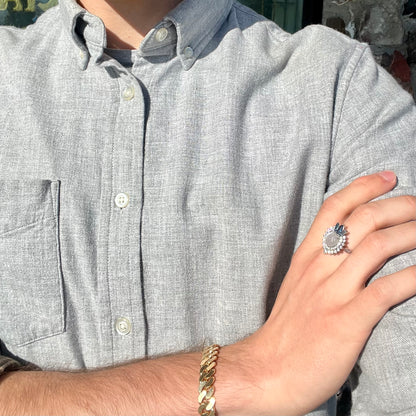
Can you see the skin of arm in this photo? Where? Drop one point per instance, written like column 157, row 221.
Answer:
column 164, row 386
column 323, row 315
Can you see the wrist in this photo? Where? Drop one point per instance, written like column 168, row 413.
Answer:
column 238, row 383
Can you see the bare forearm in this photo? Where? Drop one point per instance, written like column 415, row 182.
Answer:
column 165, row 386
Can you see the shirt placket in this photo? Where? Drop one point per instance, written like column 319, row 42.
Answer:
column 124, row 243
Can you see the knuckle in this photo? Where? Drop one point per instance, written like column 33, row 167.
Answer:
column 376, row 243
column 365, row 214
column 410, row 201
column 362, row 181
column 332, row 204
column 381, row 291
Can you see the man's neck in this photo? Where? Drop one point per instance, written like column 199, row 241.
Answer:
column 128, row 21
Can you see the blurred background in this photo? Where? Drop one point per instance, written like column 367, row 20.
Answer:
column 388, row 26
column 22, row 13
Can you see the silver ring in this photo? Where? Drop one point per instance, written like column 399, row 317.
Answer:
column 335, row 240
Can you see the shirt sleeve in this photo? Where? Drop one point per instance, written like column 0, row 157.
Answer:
column 8, row 364
column 374, row 130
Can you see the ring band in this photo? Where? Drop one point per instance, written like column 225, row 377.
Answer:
column 335, row 240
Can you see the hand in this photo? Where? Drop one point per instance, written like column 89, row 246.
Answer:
column 323, row 315
column 324, row 311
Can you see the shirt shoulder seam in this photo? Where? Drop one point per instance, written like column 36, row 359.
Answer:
column 352, row 65
column 249, row 12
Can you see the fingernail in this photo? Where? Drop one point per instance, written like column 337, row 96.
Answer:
column 388, row 176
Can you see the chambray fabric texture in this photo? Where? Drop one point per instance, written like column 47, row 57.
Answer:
column 226, row 135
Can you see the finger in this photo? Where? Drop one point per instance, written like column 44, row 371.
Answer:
column 365, row 219
column 340, row 205
column 370, row 256
column 367, row 309
column 377, row 215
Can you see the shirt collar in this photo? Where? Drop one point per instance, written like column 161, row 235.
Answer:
column 190, row 26
column 86, row 31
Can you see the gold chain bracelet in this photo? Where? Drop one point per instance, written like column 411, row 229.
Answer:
column 206, row 397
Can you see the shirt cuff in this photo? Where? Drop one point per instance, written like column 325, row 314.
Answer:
column 8, row 364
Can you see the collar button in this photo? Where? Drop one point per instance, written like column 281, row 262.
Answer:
column 188, row 52
column 161, row 34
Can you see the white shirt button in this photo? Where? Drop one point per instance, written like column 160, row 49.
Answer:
column 188, row 52
column 122, row 200
column 123, row 326
column 128, row 93
column 161, row 34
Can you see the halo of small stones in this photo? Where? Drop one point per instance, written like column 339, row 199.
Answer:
column 342, row 240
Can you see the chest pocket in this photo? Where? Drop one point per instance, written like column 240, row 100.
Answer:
column 31, row 300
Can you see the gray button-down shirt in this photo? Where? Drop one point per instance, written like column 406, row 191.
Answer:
column 155, row 208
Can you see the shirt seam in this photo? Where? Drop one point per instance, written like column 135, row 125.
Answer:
column 264, row 20
column 252, row 13
column 338, row 117
column 23, row 227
